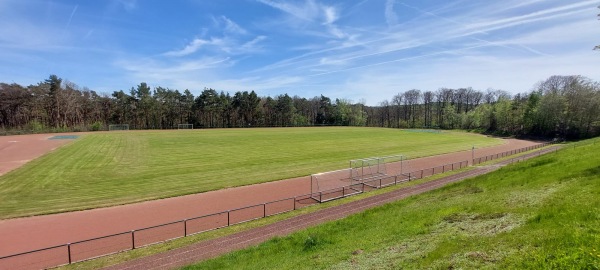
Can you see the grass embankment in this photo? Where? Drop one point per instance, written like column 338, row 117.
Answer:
column 539, row 214
column 106, row 169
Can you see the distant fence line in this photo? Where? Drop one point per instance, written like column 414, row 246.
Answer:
column 110, row 244
column 483, row 159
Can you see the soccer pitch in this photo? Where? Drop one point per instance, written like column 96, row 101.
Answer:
column 111, row 168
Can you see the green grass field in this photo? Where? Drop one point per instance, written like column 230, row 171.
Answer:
column 105, row 169
column 539, row 214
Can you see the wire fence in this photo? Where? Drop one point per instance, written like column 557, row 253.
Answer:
column 110, row 244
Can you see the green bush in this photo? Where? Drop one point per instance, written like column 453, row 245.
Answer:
column 96, row 126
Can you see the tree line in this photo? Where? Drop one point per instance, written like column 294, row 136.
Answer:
column 560, row 106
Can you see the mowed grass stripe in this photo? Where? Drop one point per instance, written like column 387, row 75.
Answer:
column 105, row 169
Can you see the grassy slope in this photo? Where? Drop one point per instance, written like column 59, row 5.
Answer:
column 123, row 167
column 544, row 213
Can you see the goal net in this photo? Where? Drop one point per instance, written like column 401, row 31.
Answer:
column 185, row 126
column 333, row 185
column 362, row 175
column 118, row 127
column 398, row 166
column 367, row 169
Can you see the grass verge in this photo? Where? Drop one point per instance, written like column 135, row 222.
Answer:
column 542, row 213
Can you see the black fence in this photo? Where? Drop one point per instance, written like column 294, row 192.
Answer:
column 110, row 244
column 483, row 159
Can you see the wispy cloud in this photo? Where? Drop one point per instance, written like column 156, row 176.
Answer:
column 252, row 45
column 363, row 49
column 310, row 16
column 71, row 16
column 153, row 66
column 436, row 36
column 228, row 26
column 308, row 11
column 390, row 15
column 194, row 46
column 230, row 39
column 490, row 25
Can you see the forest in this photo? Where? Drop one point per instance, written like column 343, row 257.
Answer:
column 562, row 107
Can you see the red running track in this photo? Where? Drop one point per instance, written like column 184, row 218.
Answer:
column 26, row 234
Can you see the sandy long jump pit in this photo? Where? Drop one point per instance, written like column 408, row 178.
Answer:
column 17, row 150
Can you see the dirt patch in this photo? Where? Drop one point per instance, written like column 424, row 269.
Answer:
column 17, row 150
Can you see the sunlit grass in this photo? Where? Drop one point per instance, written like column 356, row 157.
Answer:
column 539, row 214
column 105, row 169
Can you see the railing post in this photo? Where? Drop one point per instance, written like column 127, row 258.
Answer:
column 228, row 218
column 264, row 210
column 69, row 251
column 185, row 228
column 294, row 203
column 132, row 239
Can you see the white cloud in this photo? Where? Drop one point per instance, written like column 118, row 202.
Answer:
column 229, row 26
column 309, row 16
column 454, row 48
column 312, row 47
column 252, row 45
column 330, row 14
column 193, row 47
column 230, row 39
column 488, row 25
column 309, row 10
column 390, row 15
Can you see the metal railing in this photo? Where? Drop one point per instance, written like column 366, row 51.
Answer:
column 487, row 158
column 110, row 244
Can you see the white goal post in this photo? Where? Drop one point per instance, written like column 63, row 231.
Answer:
column 185, row 126
column 118, row 127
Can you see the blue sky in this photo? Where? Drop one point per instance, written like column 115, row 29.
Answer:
column 365, row 50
